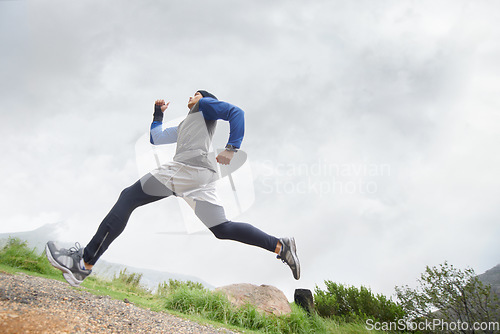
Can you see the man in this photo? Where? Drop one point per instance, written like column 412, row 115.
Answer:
column 191, row 175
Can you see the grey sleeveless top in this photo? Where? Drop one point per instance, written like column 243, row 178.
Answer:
column 194, row 137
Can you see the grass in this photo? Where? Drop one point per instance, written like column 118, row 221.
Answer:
column 187, row 299
column 16, row 254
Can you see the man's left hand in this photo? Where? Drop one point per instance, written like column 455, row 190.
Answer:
column 224, row 158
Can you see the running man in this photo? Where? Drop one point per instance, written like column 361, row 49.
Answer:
column 191, row 175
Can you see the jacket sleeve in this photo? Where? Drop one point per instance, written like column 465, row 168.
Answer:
column 213, row 109
column 157, row 136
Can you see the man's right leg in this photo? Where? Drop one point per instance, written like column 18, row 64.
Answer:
column 148, row 189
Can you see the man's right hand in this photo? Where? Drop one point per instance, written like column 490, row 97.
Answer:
column 160, row 107
column 163, row 105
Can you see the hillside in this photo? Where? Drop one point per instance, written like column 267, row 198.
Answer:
column 492, row 277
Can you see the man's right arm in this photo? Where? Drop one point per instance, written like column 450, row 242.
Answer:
column 158, row 136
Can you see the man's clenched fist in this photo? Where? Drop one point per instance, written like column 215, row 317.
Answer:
column 163, row 105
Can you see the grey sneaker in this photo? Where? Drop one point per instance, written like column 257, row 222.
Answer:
column 288, row 255
column 67, row 261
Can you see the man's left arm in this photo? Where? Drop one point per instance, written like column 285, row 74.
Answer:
column 213, row 109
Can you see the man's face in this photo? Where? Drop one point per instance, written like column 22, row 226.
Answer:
column 192, row 100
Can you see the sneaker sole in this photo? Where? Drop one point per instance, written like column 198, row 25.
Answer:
column 67, row 274
column 293, row 249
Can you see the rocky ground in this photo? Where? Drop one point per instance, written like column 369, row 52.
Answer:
column 38, row 305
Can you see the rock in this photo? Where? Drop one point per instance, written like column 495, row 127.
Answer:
column 264, row 298
column 304, row 298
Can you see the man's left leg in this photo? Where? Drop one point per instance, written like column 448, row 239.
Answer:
column 213, row 216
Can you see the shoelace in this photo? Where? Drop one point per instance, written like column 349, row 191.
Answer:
column 76, row 248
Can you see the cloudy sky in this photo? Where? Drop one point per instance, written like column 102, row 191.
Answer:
column 372, row 129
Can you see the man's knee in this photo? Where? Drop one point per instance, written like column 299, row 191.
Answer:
column 131, row 197
column 221, row 231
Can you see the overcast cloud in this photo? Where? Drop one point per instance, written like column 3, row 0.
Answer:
column 372, row 129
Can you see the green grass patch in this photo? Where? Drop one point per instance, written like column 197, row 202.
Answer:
column 16, row 254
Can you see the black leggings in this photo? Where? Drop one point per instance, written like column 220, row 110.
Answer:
column 147, row 190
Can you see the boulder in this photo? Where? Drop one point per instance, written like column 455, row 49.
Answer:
column 264, row 298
